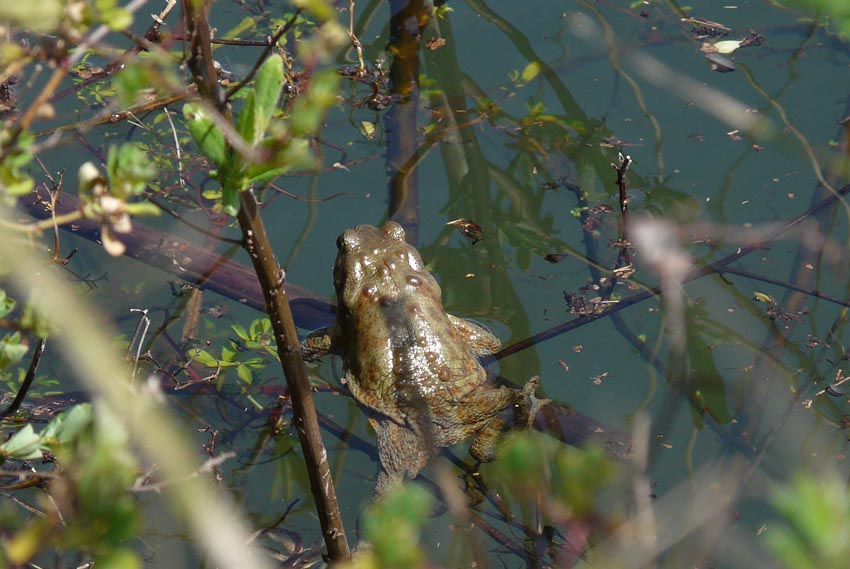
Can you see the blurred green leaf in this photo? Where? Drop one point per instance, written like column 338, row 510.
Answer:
column 310, row 108
column 14, row 181
column 203, row 357
column 267, row 89
column 141, row 209
column 392, row 526
column 12, row 350
column 24, row 445
column 206, row 135
column 67, row 426
column 129, row 170
column 531, row 465
column 121, row 558
column 35, row 15
column 816, row 532
column 531, row 71
column 246, row 123
column 117, row 18
column 321, row 9
column 33, row 319
column 7, row 304
column 838, row 10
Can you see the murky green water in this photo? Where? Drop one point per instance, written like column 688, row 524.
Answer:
column 525, row 94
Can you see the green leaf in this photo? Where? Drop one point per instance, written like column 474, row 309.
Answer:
column 244, row 373
column 247, row 124
column 129, row 170
column 117, row 18
column 23, row 446
column 228, row 355
column 310, row 108
column 392, row 526
column 67, row 426
column 240, row 331
column 12, row 180
column 206, row 135
column 36, row 16
column 266, row 95
column 817, row 515
column 368, row 130
column 230, row 199
column 762, row 297
column 321, row 9
column 7, row 304
column 34, row 320
column 708, row 390
column 142, row 208
column 531, row 71
column 203, row 357
column 120, row 558
column 214, row 194
column 12, row 350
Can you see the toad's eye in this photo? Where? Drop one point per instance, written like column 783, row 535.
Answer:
column 348, row 241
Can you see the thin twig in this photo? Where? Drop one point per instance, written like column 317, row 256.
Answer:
column 358, row 47
column 622, row 167
column 263, row 56
column 138, row 337
column 28, row 379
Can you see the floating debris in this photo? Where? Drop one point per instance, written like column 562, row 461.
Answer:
column 704, row 29
column 468, row 228
column 558, row 182
column 720, row 63
column 435, row 43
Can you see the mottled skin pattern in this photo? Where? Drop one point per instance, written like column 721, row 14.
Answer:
column 409, row 364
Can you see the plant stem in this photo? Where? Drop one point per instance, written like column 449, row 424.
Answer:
column 272, row 278
column 304, row 416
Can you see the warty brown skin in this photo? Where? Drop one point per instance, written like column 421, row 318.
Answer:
column 411, row 366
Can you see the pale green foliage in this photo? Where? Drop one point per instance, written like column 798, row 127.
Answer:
column 816, row 532
column 151, row 73
column 108, row 201
column 36, row 15
column 837, row 10
column 12, row 349
column 531, row 465
column 392, row 526
column 129, row 170
column 14, row 181
column 258, row 338
column 282, row 145
column 235, row 172
column 91, row 489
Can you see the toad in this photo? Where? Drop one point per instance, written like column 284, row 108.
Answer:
column 412, row 367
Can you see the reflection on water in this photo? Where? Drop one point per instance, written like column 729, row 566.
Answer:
column 512, row 117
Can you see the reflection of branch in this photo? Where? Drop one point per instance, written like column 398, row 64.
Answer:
column 208, row 466
column 712, row 268
column 783, row 284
